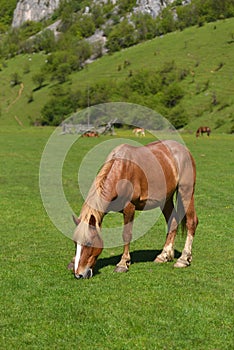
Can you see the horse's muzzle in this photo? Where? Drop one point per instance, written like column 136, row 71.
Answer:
column 87, row 274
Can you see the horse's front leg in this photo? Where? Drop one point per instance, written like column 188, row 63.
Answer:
column 128, row 214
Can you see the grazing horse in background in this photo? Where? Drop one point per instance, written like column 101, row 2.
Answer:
column 202, row 130
column 139, row 131
column 90, row 134
column 138, row 178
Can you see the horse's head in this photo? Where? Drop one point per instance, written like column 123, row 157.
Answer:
column 89, row 246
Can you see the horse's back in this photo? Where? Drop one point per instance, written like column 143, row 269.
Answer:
column 179, row 156
column 156, row 157
column 166, row 151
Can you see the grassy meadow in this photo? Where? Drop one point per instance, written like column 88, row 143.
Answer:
column 150, row 307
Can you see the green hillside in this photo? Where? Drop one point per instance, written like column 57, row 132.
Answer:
column 203, row 54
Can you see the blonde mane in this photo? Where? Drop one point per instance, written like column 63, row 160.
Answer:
column 102, row 175
column 94, row 206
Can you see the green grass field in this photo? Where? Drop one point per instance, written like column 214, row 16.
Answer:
column 150, row 307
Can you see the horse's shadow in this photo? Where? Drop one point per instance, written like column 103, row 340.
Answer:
column 137, row 256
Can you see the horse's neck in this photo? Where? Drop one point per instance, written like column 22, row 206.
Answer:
column 94, row 205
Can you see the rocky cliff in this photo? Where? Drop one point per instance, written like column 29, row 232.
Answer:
column 33, row 10
column 153, row 7
column 36, row 10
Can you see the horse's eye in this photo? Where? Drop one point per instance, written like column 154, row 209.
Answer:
column 88, row 244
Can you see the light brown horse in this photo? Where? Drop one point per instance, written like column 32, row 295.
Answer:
column 139, row 131
column 202, row 130
column 138, row 178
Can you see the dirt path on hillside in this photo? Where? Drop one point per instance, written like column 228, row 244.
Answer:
column 18, row 96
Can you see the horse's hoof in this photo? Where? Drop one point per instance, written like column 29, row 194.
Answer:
column 181, row 263
column 121, row 269
column 159, row 260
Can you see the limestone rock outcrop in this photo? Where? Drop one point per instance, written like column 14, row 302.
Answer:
column 33, row 10
column 153, row 7
column 36, row 10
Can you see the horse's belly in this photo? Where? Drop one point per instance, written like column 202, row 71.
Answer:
column 147, row 204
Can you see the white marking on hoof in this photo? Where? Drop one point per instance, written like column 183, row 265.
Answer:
column 166, row 255
column 160, row 259
column 182, row 263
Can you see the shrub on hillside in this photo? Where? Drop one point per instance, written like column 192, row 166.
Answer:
column 145, row 82
column 201, row 11
column 62, row 103
column 73, row 59
column 6, row 13
column 83, row 27
column 38, row 79
column 62, row 72
column 15, row 79
column 172, row 95
column 166, row 22
column 98, row 15
column 121, row 36
column 177, row 117
column 146, row 26
column 45, row 41
column 55, row 111
column 126, row 6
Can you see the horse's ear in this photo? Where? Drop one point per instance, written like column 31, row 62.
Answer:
column 92, row 221
column 76, row 220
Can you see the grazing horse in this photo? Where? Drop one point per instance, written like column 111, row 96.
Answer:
column 139, row 131
column 90, row 134
column 138, row 178
column 202, row 130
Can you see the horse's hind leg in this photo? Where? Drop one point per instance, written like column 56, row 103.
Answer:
column 172, row 223
column 128, row 214
column 191, row 224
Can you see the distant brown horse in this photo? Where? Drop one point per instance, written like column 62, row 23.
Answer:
column 202, row 130
column 90, row 134
column 138, row 178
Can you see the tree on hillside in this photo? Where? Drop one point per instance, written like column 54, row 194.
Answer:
column 98, row 15
column 62, row 72
column 15, row 79
column 67, row 16
column 177, row 117
column 146, row 82
column 85, row 26
column 172, row 95
column 55, row 111
column 45, row 41
column 166, row 23
column 126, row 6
column 146, row 26
column 201, row 11
column 38, row 79
column 6, row 13
column 121, row 36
